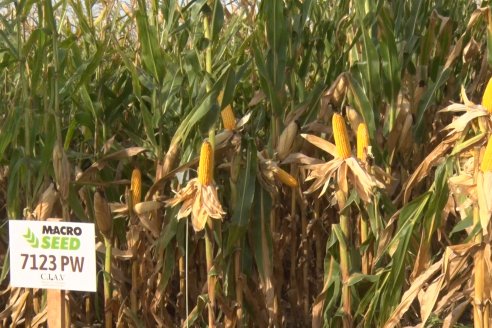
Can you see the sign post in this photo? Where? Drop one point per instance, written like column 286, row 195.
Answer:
column 57, row 256
column 56, row 306
column 56, row 303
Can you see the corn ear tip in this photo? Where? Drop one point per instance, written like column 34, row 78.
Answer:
column 286, row 177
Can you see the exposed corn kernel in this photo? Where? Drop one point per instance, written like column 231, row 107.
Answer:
column 362, row 141
column 341, row 137
column 487, row 97
column 228, row 118
column 486, row 164
column 285, row 177
column 136, row 186
column 206, row 164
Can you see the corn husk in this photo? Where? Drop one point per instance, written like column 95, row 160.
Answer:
column 286, row 140
column 102, row 213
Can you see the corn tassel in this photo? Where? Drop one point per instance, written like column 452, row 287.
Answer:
column 285, row 177
column 362, row 141
column 206, row 164
column 228, row 118
column 486, row 164
column 136, row 186
column 341, row 137
column 487, row 97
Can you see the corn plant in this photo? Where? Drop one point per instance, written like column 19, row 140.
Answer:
column 267, row 163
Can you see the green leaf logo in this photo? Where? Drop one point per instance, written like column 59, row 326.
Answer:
column 31, row 238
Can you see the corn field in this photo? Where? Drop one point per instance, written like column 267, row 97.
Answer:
column 276, row 163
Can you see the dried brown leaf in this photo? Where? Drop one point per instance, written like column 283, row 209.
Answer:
column 19, row 307
column 460, row 123
column 409, row 296
column 300, row 158
column 453, row 293
column 258, row 97
column 115, row 252
column 424, row 168
column 423, row 259
column 453, row 317
column 430, row 297
column 321, row 144
column 100, row 164
column 146, row 207
column 317, row 311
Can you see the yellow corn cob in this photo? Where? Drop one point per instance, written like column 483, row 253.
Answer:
column 486, row 164
column 362, row 141
column 228, row 118
column 206, row 164
column 136, row 186
column 285, row 177
column 341, row 137
column 487, row 97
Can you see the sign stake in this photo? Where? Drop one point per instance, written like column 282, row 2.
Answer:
column 56, row 308
column 56, row 304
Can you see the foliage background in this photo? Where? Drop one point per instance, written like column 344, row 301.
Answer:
column 126, row 75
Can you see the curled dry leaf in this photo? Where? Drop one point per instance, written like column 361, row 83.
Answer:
column 321, row 144
column 453, row 317
column 258, row 97
column 119, row 209
column 146, row 207
column 424, row 168
column 116, row 252
column 459, row 124
column 409, row 296
column 149, row 223
column 100, row 164
column 300, row 158
column 19, row 308
column 451, row 265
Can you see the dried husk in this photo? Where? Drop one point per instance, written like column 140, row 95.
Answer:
column 102, row 214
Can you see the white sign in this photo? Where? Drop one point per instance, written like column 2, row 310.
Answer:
column 52, row 255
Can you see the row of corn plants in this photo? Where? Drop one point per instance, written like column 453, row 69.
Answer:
column 274, row 163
